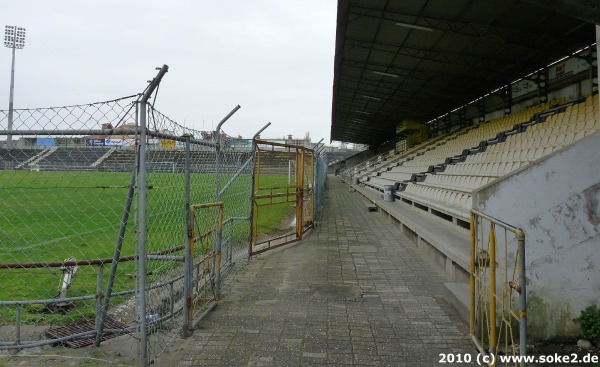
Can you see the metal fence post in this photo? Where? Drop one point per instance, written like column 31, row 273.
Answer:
column 99, row 297
column 141, row 276
column 312, row 194
column 217, row 137
column 522, row 296
column 492, row 319
column 144, row 270
column 472, row 275
column 299, row 192
column 18, row 324
column 116, row 257
column 189, row 260
column 252, row 185
column 253, row 176
column 143, row 225
column 230, row 250
column 218, row 238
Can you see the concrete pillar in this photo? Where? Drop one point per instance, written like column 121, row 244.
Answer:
column 597, row 53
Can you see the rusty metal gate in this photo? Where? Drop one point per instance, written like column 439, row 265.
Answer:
column 282, row 194
column 202, row 276
column 498, row 306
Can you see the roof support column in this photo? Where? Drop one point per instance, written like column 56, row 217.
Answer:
column 596, row 61
column 592, row 59
column 481, row 110
column 462, row 117
column 541, row 79
column 507, row 98
column 447, row 121
column 434, row 128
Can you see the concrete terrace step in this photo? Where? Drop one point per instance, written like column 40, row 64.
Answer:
column 448, row 244
column 459, row 299
column 354, row 292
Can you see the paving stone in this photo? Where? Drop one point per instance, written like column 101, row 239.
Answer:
column 353, row 292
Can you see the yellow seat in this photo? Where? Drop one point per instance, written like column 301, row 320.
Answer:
column 569, row 138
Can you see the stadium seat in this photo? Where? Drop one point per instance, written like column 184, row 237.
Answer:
column 453, row 181
column 12, row 158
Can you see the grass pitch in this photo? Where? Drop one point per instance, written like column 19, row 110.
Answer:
column 50, row 216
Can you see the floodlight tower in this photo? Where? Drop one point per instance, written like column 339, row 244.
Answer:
column 14, row 37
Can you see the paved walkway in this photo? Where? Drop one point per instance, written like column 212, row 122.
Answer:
column 355, row 291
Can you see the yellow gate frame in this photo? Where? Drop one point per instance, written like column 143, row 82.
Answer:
column 302, row 192
column 496, row 264
column 202, row 276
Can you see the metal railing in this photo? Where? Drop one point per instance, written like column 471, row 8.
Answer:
column 122, row 213
column 111, row 184
column 498, row 299
column 203, row 264
column 276, row 185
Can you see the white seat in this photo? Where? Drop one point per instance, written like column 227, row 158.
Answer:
column 510, row 155
column 589, row 124
column 523, row 155
column 547, row 150
column 485, row 168
column 572, row 119
column 569, row 138
column 530, row 155
column 512, row 166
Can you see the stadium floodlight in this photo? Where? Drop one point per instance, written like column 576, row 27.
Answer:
column 385, row 74
column 414, row 26
column 370, row 97
column 14, row 37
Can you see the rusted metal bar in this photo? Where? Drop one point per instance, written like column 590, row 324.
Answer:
column 58, row 264
column 492, row 320
column 472, row 275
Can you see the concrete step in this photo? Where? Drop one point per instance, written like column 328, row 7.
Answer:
column 459, row 298
column 446, row 243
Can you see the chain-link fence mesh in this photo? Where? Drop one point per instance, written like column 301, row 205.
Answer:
column 99, row 244
column 75, row 201
column 289, row 192
column 274, row 207
column 320, row 185
column 308, row 186
column 194, row 167
column 61, row 220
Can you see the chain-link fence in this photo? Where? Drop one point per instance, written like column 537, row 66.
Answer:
column 320, row 185
column 86, row 190
column 60, row 221
column 206, row 173
column 118, row 226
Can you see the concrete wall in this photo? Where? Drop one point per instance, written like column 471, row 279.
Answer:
column 557, row 202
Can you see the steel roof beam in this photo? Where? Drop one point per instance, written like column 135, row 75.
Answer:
column 471, row 29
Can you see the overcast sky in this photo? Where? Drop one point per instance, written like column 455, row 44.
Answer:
column 273, row 57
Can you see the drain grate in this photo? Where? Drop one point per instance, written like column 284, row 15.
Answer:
column 79, row 327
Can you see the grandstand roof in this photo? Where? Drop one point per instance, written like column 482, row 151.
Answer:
column 437, row 55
